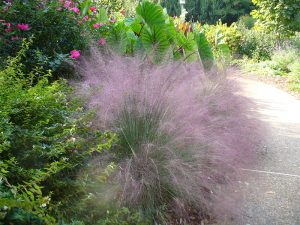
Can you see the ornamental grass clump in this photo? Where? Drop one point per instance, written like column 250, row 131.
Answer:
column 181, row 133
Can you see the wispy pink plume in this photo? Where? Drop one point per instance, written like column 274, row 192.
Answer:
column 208, row 123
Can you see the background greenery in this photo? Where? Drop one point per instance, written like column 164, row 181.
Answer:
column 210, row 12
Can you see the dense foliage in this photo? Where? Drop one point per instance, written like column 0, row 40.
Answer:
column 156, row 36
column 172, row 6
column 282, row 17
column 210, row 12
column 281, row 63
column 127, row 7
column 45, row 139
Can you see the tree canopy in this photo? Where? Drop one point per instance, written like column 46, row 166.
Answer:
column 280, row 16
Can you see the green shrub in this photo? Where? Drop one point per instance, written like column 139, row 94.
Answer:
column 230, row 35
column 123, row 217
column 295, row 41
column 295, row 75
column 46, row 138
column 256, row 44
column 282, row 61
column 280, row 17
column 246, row 21
column 113, row 7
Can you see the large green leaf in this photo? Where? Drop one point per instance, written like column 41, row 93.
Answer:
column 151, row 14
column 136, row 27
column 156, row 42
column 118, row 38
column 84, row 7
column 204, row 50
column 224, row 51
column 221, row 47
column 157, row 31
column 185, row 42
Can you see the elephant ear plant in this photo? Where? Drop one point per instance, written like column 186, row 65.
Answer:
column 153, row 34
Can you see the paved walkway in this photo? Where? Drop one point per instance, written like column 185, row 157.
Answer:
column 271, row 188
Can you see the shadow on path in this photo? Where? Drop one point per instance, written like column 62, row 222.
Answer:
column 270, row 190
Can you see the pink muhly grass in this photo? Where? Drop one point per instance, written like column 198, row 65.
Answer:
column 101, row 41
column 200, row 135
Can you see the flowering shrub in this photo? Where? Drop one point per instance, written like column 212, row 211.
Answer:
column 53, row 26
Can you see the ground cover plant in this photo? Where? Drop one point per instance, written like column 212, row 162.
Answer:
column 283, row 63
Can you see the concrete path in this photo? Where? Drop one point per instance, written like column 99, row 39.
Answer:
column 271, row 188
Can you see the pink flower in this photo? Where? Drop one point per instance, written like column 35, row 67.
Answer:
column 8, row 27
column 85, row 18
column 8, row 30
column 76, row 10
column 23, row 26
column 67, row 4
column 102, row 41
column 75, row 54
column 59, row 9
column 92, row 8
column 97, row 25
column 15, row 38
